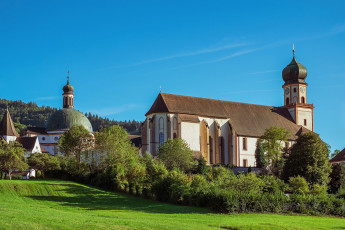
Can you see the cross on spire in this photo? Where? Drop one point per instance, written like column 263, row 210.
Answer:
column 293, row 49
column 67, row 76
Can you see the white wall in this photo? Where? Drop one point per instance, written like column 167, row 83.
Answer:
column 190, row 132
column 248, row 154
column 307, row 114
column 9, row 138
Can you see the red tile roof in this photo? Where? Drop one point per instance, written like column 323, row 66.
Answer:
column 246, row 119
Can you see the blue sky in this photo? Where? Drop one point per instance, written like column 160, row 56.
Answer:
column 119, row 53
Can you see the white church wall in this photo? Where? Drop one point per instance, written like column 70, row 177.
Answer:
column 224, row 132
column 248, row 154
column 305, row 114
column 190, row 132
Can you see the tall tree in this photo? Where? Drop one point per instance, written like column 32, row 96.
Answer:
column 273, row 143
column 12, row 157
column 76, row 142
column 119, row 158
column 309, row 159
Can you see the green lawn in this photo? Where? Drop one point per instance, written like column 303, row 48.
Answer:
column 54, row 204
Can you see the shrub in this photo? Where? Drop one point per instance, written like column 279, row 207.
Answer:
column 175, row 187
column 272, row 185
column 298, row 185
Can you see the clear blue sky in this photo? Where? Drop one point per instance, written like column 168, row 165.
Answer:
column 119, row 53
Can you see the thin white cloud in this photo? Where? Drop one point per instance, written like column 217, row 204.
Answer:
column 189, row 54
column 46, row 98
column 240, row 53
column 114, row 110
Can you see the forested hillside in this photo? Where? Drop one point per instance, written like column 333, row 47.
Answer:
column 30, row 114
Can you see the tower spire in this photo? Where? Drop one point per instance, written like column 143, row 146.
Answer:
column 293, row 49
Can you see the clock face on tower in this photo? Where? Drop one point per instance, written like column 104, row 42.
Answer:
column 302, row 89
column 287, row 90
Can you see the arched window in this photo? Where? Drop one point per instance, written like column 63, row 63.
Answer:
column 66, row 101
column 287, row 101
column 161, row 124
column 303, row 100
column 175, row 123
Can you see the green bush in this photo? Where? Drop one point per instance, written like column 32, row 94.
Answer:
column 298, row 185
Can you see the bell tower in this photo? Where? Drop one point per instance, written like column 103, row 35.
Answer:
column 68, row 96
column 295, row 94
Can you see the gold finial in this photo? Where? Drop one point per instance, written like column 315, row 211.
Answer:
column 293, row 49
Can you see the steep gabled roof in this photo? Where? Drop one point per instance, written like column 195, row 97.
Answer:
column 246, row 119
column 7, row 126
column 27, row 142
column 340, row 157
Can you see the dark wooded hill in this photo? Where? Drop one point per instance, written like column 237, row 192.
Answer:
column 30, row 114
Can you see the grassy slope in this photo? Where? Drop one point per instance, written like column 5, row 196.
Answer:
column 67, row 205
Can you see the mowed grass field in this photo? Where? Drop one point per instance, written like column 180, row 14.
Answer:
column 54, row 204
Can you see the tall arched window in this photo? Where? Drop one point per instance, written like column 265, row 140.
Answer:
column 287, row 101
column 303, row 100
column 161, row 130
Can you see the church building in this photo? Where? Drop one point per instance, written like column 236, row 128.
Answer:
column 60, row 122
column 226, row 132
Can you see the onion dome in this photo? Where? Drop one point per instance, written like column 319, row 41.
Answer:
column 64, row 119
column 68, row 88
column 294, row 72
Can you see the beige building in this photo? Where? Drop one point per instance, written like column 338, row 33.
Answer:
column 225, row 132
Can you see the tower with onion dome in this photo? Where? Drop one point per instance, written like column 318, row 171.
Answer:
column 62, row 120
column 295, row 94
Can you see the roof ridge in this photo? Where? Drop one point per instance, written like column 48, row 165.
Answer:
column 235, row 102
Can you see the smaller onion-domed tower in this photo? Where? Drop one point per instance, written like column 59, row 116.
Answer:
column 68, row 96
column 295, row 93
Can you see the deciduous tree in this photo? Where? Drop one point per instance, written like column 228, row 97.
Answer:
column 175, row 153
column 76, row 142
column 12, row 157
column 273, row 142
column 309, row 159
column 43, row 162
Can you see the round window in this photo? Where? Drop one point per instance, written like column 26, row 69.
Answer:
column 56, row 138
column 43, row 138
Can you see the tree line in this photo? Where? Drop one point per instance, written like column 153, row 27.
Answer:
column 30, row 114
column 297, row 179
